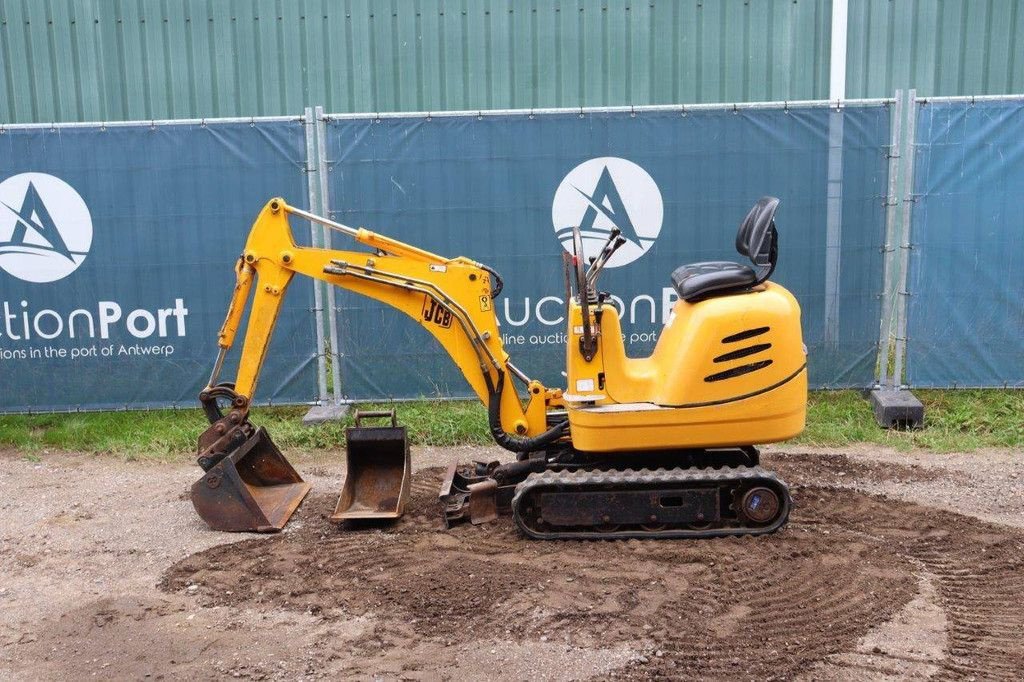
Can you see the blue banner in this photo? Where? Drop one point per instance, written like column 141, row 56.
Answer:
column 965, row 319
column 117, row 247
column 503, row 189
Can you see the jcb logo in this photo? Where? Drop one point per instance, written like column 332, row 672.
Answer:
column 433, row 312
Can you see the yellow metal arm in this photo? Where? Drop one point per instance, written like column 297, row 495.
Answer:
column 451, row 298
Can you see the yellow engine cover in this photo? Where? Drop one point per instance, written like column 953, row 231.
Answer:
column 729, row 370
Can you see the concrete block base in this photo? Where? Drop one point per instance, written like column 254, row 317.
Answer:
column 896, row 408
column 324, row 413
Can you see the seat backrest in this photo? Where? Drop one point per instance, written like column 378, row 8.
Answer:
column 758, row 239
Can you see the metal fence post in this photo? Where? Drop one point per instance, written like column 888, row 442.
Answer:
column 889, row 258
column 893, row 405
column 905, row 235
column 318, row 308
column 325, row 210
column 326, row 409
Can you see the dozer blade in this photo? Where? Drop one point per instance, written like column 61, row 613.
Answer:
column 253, row 488
column 471, row 493
column 378, row 473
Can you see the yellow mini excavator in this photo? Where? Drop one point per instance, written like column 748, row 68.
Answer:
column 653, row 447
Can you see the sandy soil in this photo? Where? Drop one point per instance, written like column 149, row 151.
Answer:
column 892, row 566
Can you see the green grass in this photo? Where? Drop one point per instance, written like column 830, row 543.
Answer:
column 956, row 421
column 171, row 434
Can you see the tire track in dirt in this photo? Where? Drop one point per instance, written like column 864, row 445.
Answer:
column 847, row 564
column 982, row 596
column 978, row 567
column 722, row 607
column 863, row 584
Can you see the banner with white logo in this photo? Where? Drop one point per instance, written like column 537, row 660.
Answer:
column 117, row 247
column 507, row 189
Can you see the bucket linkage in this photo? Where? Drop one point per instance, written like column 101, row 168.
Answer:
column 248, row 485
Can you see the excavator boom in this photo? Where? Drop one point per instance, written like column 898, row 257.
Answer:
column 248, row 484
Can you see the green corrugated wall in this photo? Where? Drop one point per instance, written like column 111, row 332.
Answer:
column 940, row 47
column 70, row 60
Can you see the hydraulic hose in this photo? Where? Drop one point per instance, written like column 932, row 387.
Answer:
column 499, row 283
column 507, row 440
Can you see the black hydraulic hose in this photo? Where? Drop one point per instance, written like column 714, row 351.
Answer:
column 507, row 440
column 517, row 471
column 208, row 399
column 499, row 283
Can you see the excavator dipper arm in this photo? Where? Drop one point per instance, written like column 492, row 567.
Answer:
column 451, row 298
column 248, row 484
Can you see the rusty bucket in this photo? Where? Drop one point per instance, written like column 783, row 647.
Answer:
column 253, row 488
column 378, row 473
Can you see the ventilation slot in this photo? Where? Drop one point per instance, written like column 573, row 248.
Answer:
column 743, row 352
column 748, row 334
column 738, row 371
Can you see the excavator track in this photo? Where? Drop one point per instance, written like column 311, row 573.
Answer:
column 593, row 504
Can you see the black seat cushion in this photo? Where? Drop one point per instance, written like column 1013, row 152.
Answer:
column 699, row 280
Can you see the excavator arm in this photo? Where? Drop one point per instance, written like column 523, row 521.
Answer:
column 248, row 484
column 453, row 298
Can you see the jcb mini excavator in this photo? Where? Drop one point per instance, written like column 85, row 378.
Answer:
column 652, row 447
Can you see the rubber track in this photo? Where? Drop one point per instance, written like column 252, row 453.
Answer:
column 628, row 479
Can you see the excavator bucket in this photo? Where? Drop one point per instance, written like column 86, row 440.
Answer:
column 253, row 488
column 379, row 471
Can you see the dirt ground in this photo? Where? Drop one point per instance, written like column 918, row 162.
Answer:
column 892, row 566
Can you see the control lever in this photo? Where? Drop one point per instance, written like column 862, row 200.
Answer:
column 588, row 341
column 614, row 241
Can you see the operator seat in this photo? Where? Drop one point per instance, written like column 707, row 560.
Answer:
column 756, row 239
